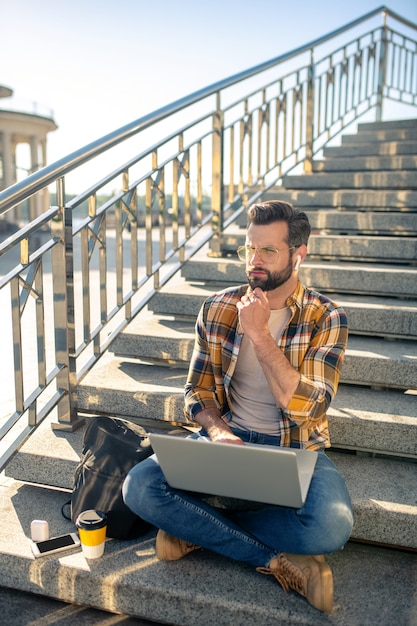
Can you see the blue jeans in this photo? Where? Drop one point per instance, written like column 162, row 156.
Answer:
column 256, row 535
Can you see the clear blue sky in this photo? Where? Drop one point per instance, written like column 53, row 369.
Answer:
column 100, row 64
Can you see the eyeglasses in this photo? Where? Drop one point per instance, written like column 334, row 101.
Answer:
column 268, row 254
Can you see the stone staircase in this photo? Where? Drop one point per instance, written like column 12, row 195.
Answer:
column 362, row 202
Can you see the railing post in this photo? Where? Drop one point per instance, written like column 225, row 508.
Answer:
column 64, row 314
column 382, row 68
column 217, row 180
column 308, row 161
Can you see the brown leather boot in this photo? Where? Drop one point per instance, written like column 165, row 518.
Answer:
column 170, row 548
column 310, row 576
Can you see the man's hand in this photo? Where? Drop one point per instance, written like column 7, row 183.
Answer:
column 216, row 427
column 227, row 437
column 254, row 313
column 282, row 377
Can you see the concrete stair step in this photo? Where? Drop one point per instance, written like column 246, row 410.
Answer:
column 351, row 248
column 386, row 317
column 380, row 488
column 363, row 163
column 369, row 420
column 398, row 281
column 388, row 125
column 360, row 418
column 146, row 391
column 382, row 200
column 368, row 360
column 371, row 223
column 377, row 473
column 364, row 249
column 382, row 317
column 123, row 386
column 386, row 148
column 372, row 361
column 352, row 180
column 158, row 338
column 129, row 579
column 372, row 135
column 374, row 420
column 375, row 279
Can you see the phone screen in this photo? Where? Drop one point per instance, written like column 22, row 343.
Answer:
column 54, row 544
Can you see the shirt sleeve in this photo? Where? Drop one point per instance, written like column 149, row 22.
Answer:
column 200, row 390
column 319, row 369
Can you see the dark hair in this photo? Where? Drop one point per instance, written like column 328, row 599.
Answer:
column 279, row 211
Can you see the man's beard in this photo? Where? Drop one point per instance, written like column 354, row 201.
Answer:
column 272, row 280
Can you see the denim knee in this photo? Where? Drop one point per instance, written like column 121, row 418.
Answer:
column 139, row 484
column 336, row 523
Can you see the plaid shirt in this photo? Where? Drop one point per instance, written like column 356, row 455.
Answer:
column 314, row 342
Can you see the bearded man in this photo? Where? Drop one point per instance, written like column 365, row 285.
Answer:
column 265, row 368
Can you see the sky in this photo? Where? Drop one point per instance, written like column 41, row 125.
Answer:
column 101, row 64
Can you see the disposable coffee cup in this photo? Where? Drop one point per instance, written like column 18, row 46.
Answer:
column 92, row 526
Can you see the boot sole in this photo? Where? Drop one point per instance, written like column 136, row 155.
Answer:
column 326, row 587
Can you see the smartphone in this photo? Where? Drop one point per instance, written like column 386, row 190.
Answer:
column 56, row 544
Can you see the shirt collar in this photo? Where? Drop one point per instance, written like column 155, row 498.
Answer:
column 297, row 296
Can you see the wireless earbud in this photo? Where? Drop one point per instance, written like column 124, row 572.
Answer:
column 297, row 263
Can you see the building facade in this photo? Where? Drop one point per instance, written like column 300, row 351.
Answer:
column 17, row 127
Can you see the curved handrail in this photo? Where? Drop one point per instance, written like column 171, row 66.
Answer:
column 14, row 194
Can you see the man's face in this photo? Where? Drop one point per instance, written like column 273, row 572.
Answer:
column 268, row 274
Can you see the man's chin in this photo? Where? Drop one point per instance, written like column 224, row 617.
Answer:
column 265, row 285
column 257, row 282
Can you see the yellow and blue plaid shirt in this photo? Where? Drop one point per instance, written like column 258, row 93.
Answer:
column 314, row 341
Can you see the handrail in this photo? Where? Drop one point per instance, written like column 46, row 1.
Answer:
column 94, row 261
column 38, row 180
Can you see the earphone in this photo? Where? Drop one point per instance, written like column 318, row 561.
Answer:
column 297, row 263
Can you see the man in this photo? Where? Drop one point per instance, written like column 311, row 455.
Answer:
column 265, row 368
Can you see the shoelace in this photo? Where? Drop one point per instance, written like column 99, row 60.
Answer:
column 287, row 574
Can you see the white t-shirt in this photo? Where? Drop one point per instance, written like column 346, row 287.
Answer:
column 253, row 405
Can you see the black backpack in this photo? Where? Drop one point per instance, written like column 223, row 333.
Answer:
column 111, row 447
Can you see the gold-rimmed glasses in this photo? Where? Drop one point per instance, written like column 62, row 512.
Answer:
column 268, row 254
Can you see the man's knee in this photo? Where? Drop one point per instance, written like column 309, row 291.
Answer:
column 139, row 483
column 336, row 524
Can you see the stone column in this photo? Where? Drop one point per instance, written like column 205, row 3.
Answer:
column 9, row 168
column 35, row 202
column 42, row 163
column 9, row 158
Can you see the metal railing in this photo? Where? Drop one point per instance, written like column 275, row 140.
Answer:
column 74, row 277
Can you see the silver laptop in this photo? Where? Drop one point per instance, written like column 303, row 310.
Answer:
column 267, row 474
